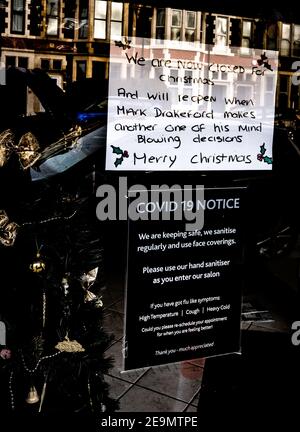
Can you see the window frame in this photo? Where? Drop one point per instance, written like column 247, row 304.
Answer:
column 108, row 21
column 15, row 12
column 53, row 17
column 216, row 35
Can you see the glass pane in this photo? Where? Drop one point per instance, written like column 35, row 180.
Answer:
column 100, row 29
column 191, row 19
column 245, row 43
column 100, row 9
column 17, row 23
column 221, row 40
column 286, row 31
column 175, row 34
column 23, row 62
column 52, row 27
column 83, row 29
column 116, row 11
column 18, row 5
column 296, row 48
column 81, row 70
column 296, row 33
column 189, row 35
column 283, row 84
column 285, row 47
column 176, row 17
column 160, row 20
column 115, row 29
column 221, row 26
column 52, row 7
column 83, row 11
column 160, row 33
column 247, row 28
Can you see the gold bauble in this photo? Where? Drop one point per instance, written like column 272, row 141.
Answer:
column 33, row 396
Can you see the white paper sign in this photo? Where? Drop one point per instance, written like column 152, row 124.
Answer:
column 186, row 106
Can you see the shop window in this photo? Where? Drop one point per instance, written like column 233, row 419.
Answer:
column 221, row 31
column 45, row 64
column 83, row 19
column 18, row 16
column 57, row 64
column 98, row 70
column 81, row 69
column 23, row 62
column 52, row 17
column 10, row 61
column 160, row 23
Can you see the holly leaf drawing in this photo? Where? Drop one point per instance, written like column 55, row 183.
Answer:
column 268, row 160
column 118, row 161
column 117, row 150
column 262, row 149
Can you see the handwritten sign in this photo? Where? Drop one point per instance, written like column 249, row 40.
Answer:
column 186, row 106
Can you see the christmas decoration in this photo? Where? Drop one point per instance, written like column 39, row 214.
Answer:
column 122, row 154
column 51, row 257
column 261, row 156
column 54, row 359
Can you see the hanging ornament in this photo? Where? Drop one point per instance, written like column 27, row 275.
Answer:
column 89, row 278
column 65, row 285
column 89, row 296
column 33, row 396
column 8, row 230
column 28, row 150
column 70, row 346
column 38, row 265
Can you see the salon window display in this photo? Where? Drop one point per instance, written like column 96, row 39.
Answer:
column 51, row 255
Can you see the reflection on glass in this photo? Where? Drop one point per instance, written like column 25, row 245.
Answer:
column 116, row 11
column 160, row 20
column 100, row 9
column 286, row 31
column 175, row 33
column 191, row 19
column 100, row 29
column 116, row 29
column 246, row 28
column 176, row 17
column 52, row 27
column 52, row 7
column 285, row 48
column 221, row 31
